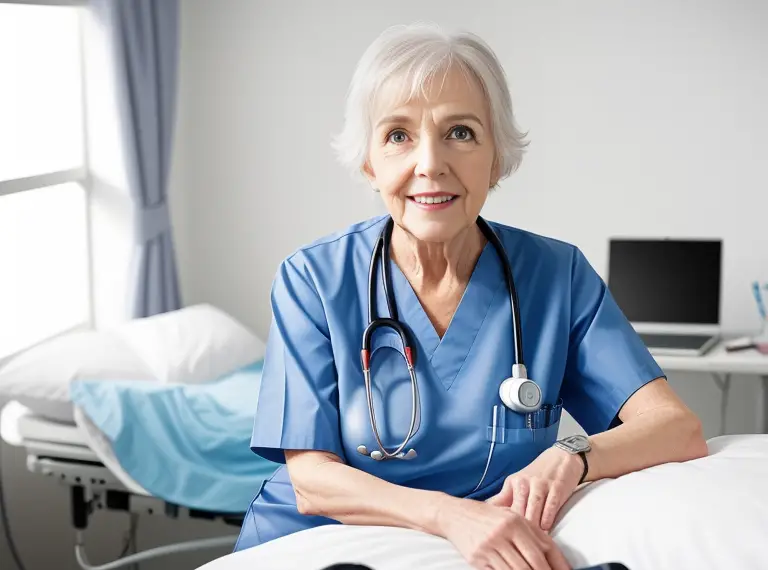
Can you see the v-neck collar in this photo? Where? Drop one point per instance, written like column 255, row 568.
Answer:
column 447, row 355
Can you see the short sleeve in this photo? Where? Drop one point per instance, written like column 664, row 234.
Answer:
column 297, row 406
column 607, row 360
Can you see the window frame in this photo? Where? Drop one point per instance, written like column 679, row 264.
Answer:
column 80, row 175
column 47, row 2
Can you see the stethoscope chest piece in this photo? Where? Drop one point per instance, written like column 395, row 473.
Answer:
column 377, row 455
column 519, row 393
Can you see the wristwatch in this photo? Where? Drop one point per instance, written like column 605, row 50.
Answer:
column 576, row 445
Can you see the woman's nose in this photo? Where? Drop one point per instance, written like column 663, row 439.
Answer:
column 430, row 159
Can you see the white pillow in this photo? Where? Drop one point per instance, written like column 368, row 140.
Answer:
column 707, row 514
column 192, row 345
column 39, row 378
column 710, row 513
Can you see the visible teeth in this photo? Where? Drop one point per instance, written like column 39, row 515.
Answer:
column 432, row 199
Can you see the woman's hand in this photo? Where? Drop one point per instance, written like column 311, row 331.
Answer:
column 495, row 538
column 539, row 491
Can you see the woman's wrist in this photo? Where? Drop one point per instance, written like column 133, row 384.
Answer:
column 443, row 513
column 569, row 466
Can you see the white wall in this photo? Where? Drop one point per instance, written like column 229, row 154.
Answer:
column 645, row 119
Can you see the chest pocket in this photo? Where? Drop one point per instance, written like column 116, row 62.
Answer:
column 538, row 427
column 517, row 439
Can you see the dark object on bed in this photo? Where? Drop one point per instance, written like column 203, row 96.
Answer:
column 347, row 566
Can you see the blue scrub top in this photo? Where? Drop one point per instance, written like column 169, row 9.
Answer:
column 577, row 345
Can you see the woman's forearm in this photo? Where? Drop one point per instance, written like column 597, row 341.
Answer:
column 330, row 488
column 656, row 437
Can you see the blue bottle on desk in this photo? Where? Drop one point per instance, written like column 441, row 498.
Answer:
column 758, row 294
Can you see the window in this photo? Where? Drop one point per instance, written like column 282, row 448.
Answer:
column 44, row 245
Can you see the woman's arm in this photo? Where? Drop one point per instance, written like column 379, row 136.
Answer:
column 326, row 486
column 657, row 428
column 488, row 537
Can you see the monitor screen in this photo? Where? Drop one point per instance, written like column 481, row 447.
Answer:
column 666, row 281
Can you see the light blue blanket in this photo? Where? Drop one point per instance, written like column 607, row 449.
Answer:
column 186, row 444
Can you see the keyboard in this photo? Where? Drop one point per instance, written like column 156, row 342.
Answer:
column 675, row 341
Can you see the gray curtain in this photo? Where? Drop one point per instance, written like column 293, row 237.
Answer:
column 144, row 42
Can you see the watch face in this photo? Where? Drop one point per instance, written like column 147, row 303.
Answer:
column 575, row 443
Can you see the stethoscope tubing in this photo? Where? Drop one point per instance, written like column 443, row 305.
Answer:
column 415, row 402
column 381, row 253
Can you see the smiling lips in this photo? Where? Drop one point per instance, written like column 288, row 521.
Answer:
column 433, row 200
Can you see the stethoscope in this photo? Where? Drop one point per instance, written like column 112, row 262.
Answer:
column 518, row 392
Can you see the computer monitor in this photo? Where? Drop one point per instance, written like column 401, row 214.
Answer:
column 672, row 282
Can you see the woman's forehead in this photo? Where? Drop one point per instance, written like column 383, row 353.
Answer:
column 453, row 87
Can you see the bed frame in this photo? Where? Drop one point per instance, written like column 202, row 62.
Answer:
column 94, row 487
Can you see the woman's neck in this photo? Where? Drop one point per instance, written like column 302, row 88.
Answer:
column 432, row 266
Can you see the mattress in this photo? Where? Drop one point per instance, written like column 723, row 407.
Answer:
column 36, row 428
column 81, row 441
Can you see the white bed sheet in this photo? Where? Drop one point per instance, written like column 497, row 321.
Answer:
column 102, row 447
column 707, row 514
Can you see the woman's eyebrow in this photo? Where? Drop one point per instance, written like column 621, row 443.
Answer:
column 463, row 117
column 389, row 119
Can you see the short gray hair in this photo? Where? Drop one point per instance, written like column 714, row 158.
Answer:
column 416, row 53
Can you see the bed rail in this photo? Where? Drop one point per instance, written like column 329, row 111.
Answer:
column 93, row 487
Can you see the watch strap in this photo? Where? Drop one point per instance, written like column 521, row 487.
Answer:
column 583, row 456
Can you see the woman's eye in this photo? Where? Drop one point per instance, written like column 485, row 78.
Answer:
column 463, row 133
column 397, row 137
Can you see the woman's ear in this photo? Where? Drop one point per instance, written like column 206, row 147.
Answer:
column 370, row 175
column 494, row 173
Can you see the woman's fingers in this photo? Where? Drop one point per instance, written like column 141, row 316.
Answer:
column 555, row 556
column 520, row 489
column 507, row 558
column 557, row 560
column 532, row 549
column 537, row 496
column 504, row 497
column 552, row 504
column 538, row 500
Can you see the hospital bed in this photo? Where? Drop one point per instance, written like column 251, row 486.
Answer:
column 706, row 514
column 82, row 460
column 105, row 412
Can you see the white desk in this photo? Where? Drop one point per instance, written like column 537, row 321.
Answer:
column 721, row 365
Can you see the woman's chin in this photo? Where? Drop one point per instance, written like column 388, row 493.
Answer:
column 434, row 230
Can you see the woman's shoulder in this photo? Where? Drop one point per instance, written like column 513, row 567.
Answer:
column 560, row 261
column 334, row 252
column 544, row 247
column 358, row 233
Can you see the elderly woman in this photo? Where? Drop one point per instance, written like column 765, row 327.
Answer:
column 417, row 363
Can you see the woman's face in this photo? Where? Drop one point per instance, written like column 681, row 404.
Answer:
column 432, row 159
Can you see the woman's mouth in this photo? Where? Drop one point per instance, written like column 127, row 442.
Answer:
column 433, row 202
